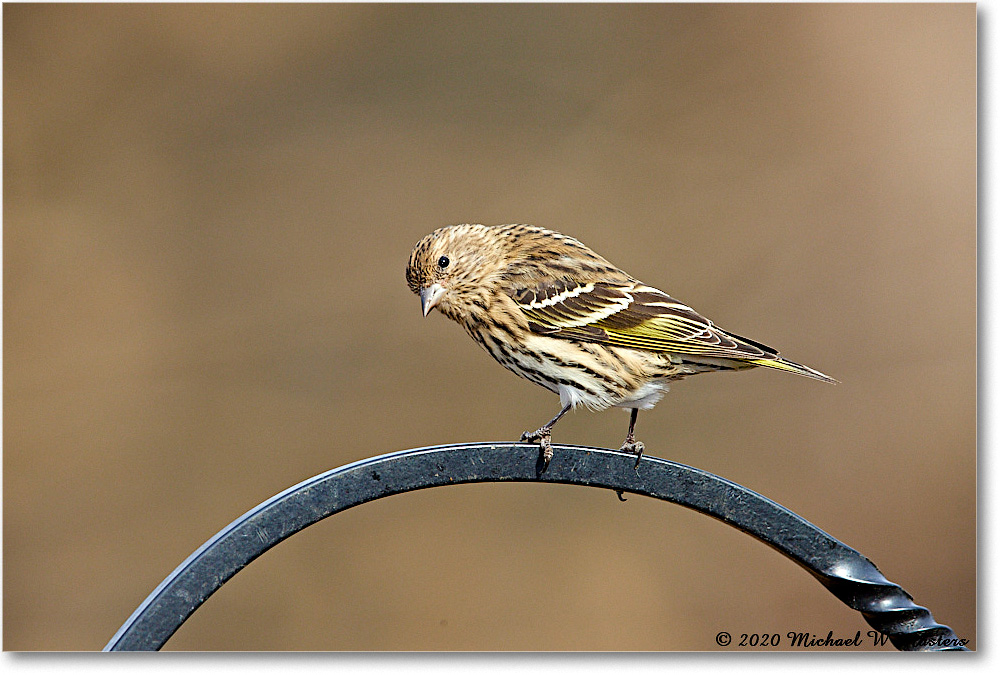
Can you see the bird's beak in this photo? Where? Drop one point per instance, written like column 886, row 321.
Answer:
column 430, row 297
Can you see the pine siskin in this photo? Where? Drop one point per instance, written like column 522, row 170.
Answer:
column 549, row 309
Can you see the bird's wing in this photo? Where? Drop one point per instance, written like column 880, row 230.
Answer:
column 629, row 315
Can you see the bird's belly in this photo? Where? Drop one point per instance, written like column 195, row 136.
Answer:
column 593, row 375
column 646, row 396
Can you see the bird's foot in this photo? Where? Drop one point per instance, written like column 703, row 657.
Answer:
column 543, row 437
column 635, row 447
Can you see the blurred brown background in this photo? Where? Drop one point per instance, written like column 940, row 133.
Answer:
column 207, row 215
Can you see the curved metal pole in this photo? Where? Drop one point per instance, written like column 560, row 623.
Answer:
column 843, row 571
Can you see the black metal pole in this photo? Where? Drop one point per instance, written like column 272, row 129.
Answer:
column 847, row 574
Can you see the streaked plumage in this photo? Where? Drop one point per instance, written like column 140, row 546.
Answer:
column 554, row 312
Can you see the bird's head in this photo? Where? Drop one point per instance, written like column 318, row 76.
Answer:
column 454, row 267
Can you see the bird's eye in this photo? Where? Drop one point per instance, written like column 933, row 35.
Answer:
column 443, row 261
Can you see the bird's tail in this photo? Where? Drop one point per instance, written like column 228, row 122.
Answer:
column 792, row 367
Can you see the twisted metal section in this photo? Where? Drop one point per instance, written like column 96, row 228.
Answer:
column 847, row 574
column 890, row 610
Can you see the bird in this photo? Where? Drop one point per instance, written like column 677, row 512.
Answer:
column 554, row 312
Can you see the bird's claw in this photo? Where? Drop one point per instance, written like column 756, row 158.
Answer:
column 532, row 436
column 634, row 447
column 543, row 437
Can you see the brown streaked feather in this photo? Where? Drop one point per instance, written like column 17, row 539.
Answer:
column 635, row 316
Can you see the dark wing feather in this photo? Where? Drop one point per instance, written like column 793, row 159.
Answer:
column 629, row 315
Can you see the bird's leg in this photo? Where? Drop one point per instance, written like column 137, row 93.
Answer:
column 630, row 444
column 543, row 435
